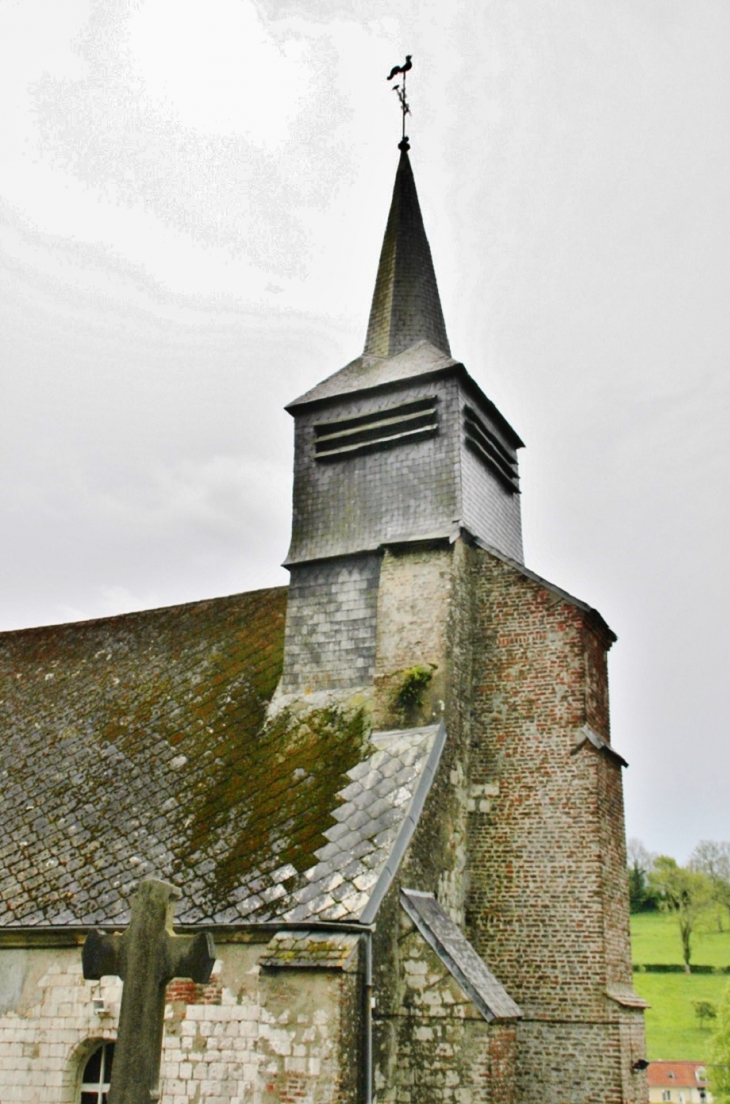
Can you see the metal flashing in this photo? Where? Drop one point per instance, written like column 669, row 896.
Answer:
column 588, row 736
column 408, row 827
column 461, row 960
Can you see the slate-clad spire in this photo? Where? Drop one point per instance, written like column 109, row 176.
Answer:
column 406, row 306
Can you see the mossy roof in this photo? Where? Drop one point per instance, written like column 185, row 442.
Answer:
column 138, row 746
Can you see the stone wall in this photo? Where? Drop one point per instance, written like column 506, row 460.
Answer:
column 437, row 1047
column 414, row 602
column 263, row 1037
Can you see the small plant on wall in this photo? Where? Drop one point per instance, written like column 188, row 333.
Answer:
column 410, row 688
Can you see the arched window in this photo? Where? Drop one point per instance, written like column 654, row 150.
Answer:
column 97, row 1075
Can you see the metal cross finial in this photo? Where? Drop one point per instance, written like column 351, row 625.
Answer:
column 401, row 90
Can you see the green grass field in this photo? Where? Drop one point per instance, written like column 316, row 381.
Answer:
column 672, row 1029
column 655, row 938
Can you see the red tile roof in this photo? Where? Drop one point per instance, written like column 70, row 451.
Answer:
column 678, row 1075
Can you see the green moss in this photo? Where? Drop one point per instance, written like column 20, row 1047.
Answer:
column 271, row 797
column 412, row 683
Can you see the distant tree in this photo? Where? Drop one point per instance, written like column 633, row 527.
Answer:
column 639, row 864
column 705, row 1011
column 720, row 1065
column 686, row 893
column 713, row 860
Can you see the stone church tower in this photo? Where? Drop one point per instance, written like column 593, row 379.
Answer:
column 406, row 556
column 399, row 449
column 388, row 791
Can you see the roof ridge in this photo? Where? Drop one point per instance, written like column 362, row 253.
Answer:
column 109, row 617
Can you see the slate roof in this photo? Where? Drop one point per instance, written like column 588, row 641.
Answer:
column 458, row 955
column 367, row 372
column 310, row 950
column 138, row 746
column 406, row 306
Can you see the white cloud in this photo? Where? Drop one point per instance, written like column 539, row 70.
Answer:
column 219, row 68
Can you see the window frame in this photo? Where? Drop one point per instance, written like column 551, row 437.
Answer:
column 101, row 1087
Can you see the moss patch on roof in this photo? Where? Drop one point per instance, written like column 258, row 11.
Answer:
column 272, row 799
column 139, row 746
column 113, row 736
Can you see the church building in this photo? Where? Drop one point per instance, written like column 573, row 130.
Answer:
column 388, row 791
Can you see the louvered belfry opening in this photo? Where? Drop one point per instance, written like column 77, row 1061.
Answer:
column 400, row 423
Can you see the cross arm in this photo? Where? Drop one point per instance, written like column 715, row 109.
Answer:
column 191, row 957
column 102, row 955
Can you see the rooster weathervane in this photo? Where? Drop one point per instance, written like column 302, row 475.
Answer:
column 401, row 90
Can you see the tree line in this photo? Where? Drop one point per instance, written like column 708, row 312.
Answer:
column 699, row 889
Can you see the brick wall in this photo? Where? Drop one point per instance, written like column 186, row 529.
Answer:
column 547, row 905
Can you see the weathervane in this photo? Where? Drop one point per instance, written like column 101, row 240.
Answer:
column 401, row 90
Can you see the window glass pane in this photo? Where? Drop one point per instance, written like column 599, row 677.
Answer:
column 92, row 1069
column 89, row 1098
column 108, row 1060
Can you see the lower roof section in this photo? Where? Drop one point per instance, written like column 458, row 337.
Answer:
column 138, row 746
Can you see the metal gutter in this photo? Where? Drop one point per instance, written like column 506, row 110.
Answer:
column 408, row 827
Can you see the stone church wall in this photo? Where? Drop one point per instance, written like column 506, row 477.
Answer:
column 438, row 1049
column 251, row 1035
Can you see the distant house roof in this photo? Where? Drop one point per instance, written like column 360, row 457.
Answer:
column 678, row 1075
column 138, row 745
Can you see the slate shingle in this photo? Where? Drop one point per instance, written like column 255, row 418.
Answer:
column 136, row 746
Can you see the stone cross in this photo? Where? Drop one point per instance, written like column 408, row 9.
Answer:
column 146, row 957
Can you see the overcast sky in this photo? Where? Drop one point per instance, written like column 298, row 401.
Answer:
column 192, row 201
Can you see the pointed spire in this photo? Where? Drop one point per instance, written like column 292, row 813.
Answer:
column 406, row 306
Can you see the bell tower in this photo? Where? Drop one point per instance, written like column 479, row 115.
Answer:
column 400, row 447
